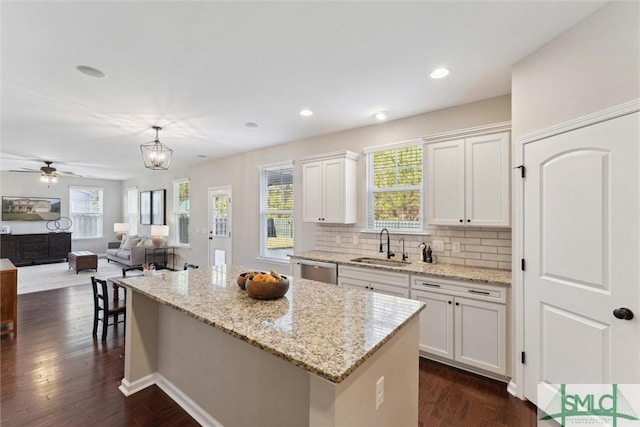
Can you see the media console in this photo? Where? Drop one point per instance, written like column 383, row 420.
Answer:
column 27, row 249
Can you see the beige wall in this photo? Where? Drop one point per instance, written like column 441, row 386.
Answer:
column 592, row 66
column 24, row 184
column 241, row 173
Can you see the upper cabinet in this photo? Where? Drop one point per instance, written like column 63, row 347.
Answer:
column 329, row 188
column 468, row 180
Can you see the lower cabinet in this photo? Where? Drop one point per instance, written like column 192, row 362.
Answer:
column 463, row 324
column 384, row 282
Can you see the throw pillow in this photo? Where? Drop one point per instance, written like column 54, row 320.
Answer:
column 126, row 237
column 131, row 242
column 142, row 241
column 148, row 243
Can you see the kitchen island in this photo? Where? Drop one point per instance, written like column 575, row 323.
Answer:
column 318, row 356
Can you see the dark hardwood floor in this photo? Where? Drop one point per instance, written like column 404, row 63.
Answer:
column 55, row 374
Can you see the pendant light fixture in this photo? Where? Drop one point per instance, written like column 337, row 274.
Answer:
column 155, row 154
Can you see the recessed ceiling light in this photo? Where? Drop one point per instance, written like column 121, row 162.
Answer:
column 439, row 73
column 306, row 112
column 381, row 115
column 251, row 125
column 91, row 72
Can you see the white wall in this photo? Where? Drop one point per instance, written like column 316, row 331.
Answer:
column 24, row 184
column 594, row 65
column 241, row 172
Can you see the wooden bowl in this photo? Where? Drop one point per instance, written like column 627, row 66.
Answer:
column 242, row 279
column 267, row 290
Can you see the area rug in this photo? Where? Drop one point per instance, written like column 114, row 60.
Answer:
column 36, row 278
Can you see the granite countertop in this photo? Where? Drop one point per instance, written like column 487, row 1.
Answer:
column 325, row 329
column 446, row 271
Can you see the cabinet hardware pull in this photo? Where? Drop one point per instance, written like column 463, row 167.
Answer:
column 433, row 285
column 473, row 291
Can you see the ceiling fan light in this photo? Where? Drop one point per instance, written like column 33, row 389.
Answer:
column 155, row 154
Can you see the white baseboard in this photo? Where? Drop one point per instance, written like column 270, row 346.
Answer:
column 128, row 388
column 512, row 388
column 184, row 401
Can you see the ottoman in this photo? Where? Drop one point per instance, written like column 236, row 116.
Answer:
column 83, row 260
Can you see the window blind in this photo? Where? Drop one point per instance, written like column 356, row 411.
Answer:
column 86, row 211
column 276, row 211
column 394, row 188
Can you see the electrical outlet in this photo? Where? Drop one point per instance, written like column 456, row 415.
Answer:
column 338, row 240
column 355, row 240
column 438, row 245
column 379, row 392
column 456, row 247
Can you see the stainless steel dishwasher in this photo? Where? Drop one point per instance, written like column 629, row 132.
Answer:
column 321, row 271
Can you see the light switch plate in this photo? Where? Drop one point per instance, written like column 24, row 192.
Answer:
column 338, row 240
column 355, row 240
column 456, row 247
column 438, row 245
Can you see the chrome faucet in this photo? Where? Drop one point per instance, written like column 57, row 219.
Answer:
column 389, row 253
column 404, row 254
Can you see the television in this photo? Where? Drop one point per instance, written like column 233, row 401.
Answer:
column 30, row 208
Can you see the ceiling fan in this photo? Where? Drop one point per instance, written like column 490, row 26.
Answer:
column 47, row 172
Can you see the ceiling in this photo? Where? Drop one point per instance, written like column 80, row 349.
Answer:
column 202, row 70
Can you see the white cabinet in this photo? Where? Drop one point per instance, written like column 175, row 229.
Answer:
column 463, row 324
column 468, row 181
column 384, row 282
column 329, row 188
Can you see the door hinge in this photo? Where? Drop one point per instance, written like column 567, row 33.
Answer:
column 522, row 264
column 523, row 171
column 523, row 357
column 229, row 234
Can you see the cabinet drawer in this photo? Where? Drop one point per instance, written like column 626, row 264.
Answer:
column 35, row 255
column 460, row 288
column 34, row 247
column 374, row 275
column 34, row 239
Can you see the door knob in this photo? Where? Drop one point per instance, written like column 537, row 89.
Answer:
column 623, row 313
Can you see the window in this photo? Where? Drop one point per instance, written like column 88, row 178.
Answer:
column 86, row 211
column 394, row 187
column 181, row 208
column 276, row 211
column 132, row 210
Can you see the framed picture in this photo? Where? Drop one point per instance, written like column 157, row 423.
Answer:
column 158, row 205
column 145, row 207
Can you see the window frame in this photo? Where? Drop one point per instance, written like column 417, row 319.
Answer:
column 132, row 214
column 265, row 253
column 177, row 212
column 101, row 222
column 369, row 221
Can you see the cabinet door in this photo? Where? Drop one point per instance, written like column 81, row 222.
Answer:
column 10, row 247
column 480, row 334
column 395, row 291
column 312, row 189
column 436, row 323
column 487, row 180
column 445, row 183
column 296, row 269
column 59, row 245
column 334, row 189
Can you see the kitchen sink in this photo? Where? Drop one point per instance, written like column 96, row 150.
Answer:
column 381, row 261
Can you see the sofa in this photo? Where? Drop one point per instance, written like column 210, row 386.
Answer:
column 129, row 252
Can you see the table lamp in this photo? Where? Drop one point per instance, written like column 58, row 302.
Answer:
column 121, row 228
column 159, row 232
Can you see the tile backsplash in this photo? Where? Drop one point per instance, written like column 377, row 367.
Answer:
column 479, row 247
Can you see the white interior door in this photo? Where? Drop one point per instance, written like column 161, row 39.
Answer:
column 220, row 248
column 581, row 248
